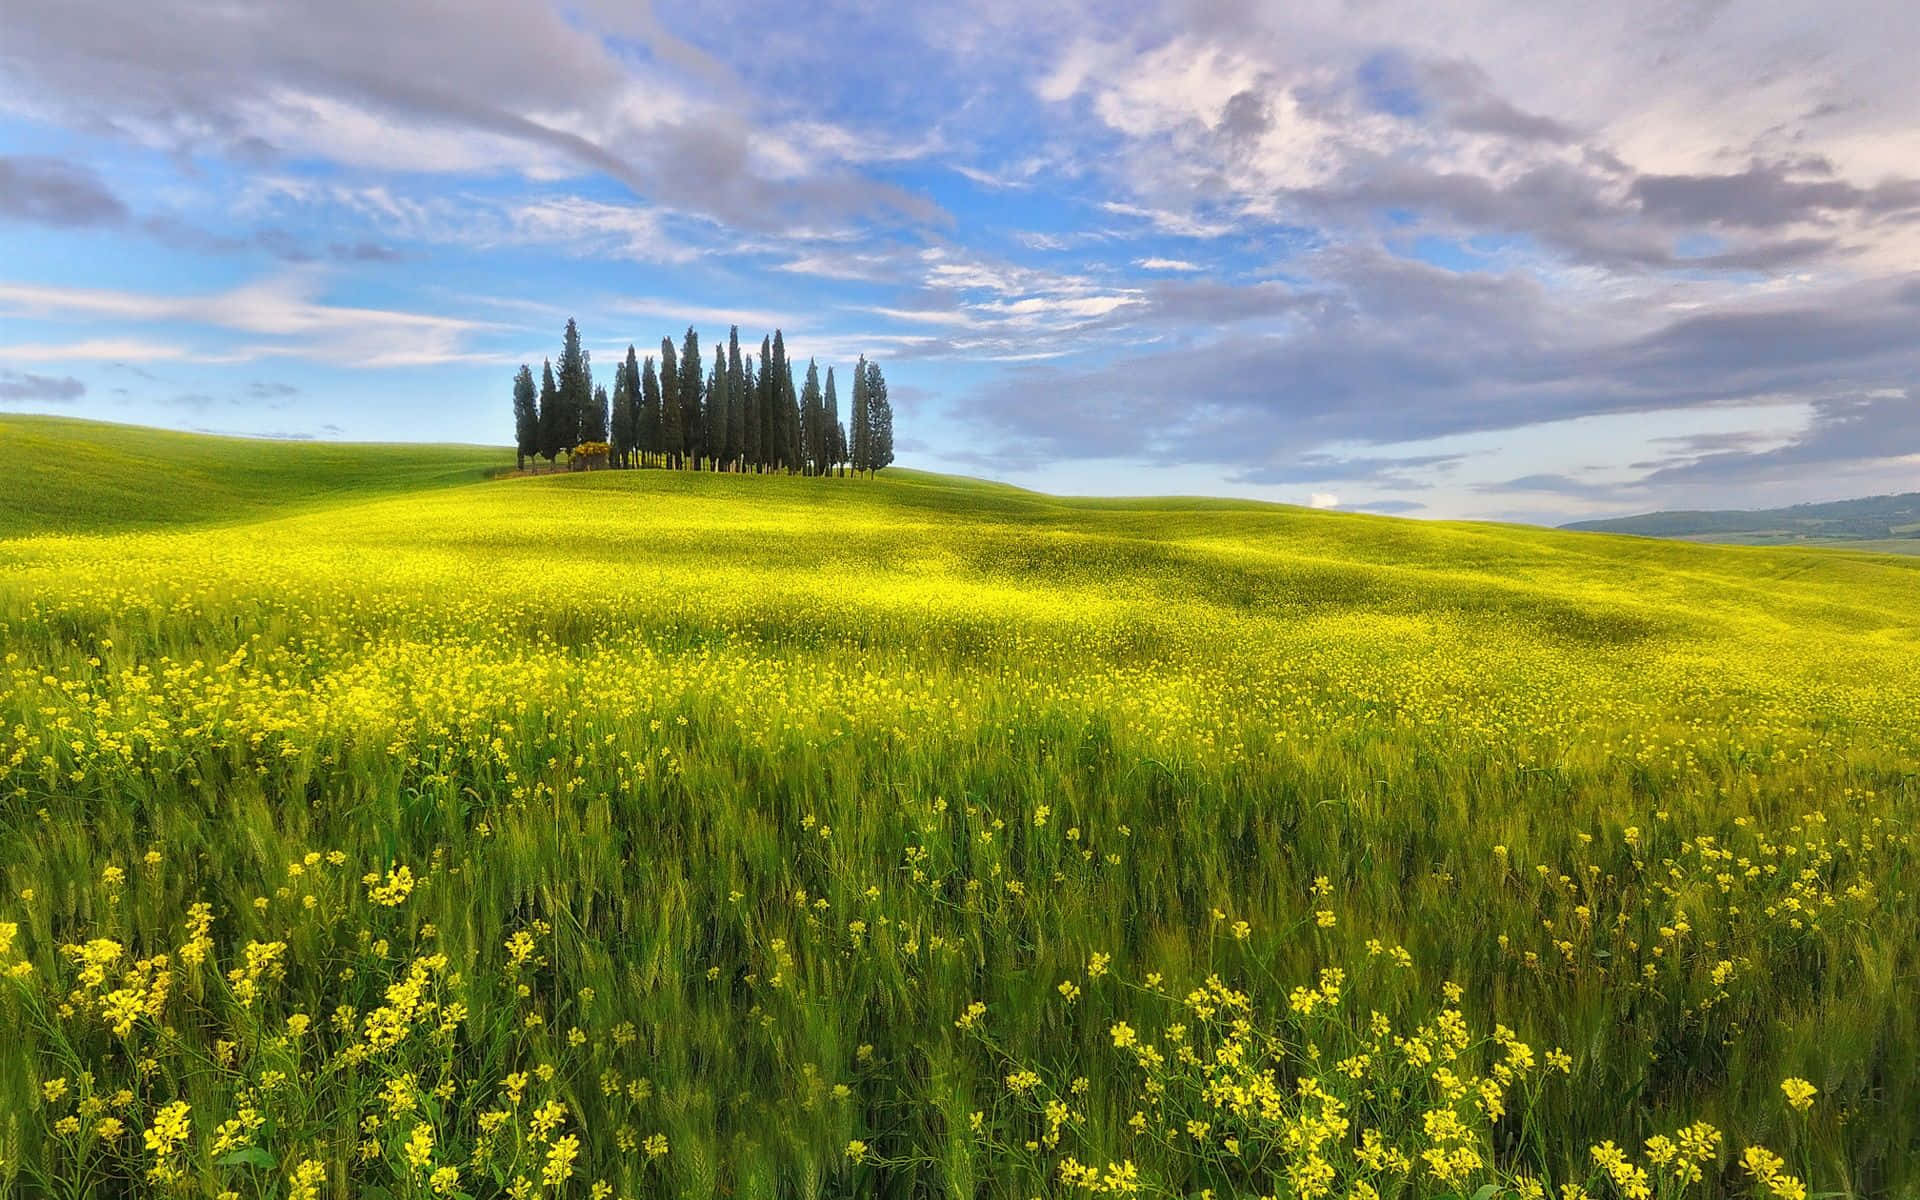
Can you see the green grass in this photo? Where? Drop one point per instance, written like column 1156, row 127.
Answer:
column 760, row 784
column 69, row 476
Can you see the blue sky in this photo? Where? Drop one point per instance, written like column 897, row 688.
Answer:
column 1475, row 260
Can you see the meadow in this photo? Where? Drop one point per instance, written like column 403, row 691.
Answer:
column 664, row 834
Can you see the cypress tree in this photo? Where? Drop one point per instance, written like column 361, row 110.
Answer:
column 736, row 399
column 862, row 439
column 574, row 388
column 690, row 414
column 719, row 403
column 620, row 420
column 593, row 414
column 549, row 413
column 594, row 428
column 836, row 434
column 651, row 437
column 526, row 417
column 813, row 425
column 673, row 437
column 879, row 420
column 768, row 393
column 779, row 376
column 749, row 416
column 632, row 373
column 790, row 415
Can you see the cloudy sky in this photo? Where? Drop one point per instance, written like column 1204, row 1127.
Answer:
column 1524, row 261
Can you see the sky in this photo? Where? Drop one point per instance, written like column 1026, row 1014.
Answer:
column 1536, row 262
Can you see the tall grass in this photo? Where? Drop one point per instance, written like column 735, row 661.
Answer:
column 775, row 837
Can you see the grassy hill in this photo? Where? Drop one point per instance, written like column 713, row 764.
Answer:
column 70, row 476
column 917, row 836
column 1888, row 524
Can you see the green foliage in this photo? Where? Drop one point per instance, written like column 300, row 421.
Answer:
column 879, row 420
column 526, row 416
column 861, row 449
column 692, row 399
column 673, row 416
column 553, row 416
column 652, row 412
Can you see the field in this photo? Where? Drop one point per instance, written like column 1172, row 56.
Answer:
column 656, row 834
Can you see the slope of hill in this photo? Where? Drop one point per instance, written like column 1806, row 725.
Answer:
column 916, row 836
column 63, row 475
column 1889, row 523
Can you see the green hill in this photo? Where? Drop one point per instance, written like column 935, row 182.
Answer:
column 1889, row 524
column 917, row 836
column 70, row 476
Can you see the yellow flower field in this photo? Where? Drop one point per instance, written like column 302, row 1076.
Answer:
column 659, row 834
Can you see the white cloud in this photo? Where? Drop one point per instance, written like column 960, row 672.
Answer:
column 1166, row 264
column 281, row 308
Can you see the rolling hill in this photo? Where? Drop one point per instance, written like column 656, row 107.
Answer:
column 661, row 833
column 71, row 476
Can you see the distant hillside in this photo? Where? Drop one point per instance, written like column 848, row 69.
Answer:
column 61, row 475
column 1890, row 523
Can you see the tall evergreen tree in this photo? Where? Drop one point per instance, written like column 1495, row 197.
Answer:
column 550, row 422
column 790, row 414
column 879, row 420
column 652, row 438
column 526, row 417
column 575, row 393
column 768, row 393
column 719, row 405
column 749, row 415
column 813, row 422
column 634, row 416
column 736, row 400
column 836, row 433
column 620, row 419
column 691, row 417
column 673, row 437
column 861, row 451
column 594, row 428
column 593, row 416
column 779, row 381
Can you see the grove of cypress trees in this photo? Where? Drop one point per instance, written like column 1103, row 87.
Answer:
column 743, row 413
column 526, row 418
